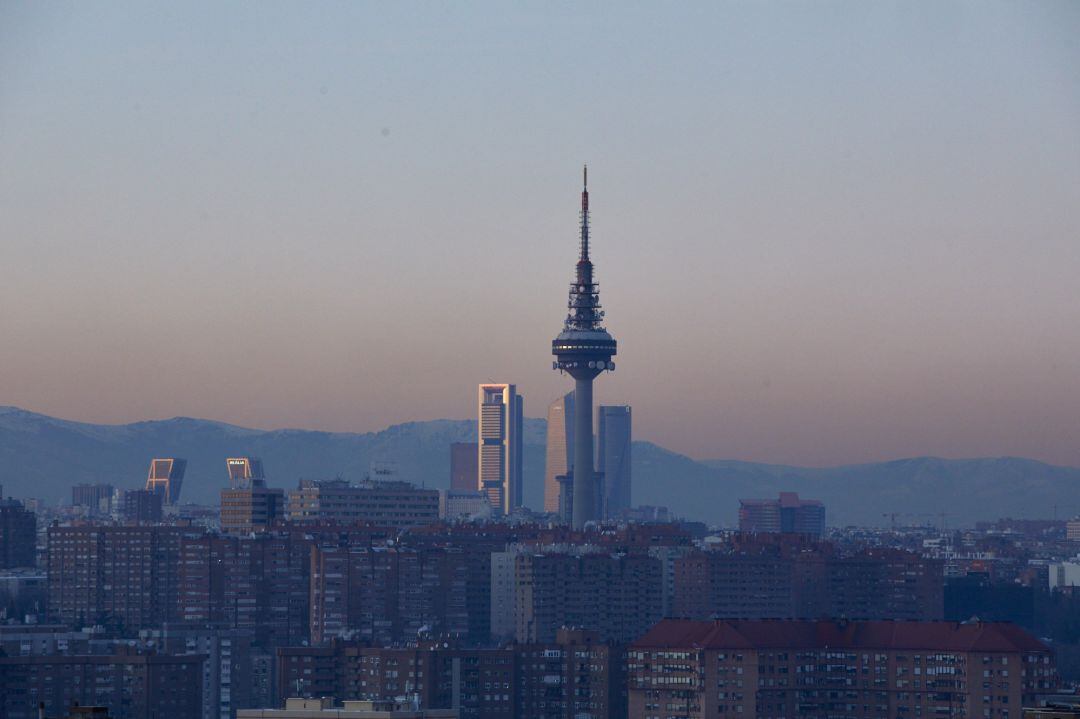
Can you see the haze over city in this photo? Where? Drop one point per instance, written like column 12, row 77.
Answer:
column 824, row 233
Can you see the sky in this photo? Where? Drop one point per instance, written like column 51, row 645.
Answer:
column 825, row 232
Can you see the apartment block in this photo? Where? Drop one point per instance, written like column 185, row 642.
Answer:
column 126, row 577
column 130, row 684
column 18, row 535
column 773, row 669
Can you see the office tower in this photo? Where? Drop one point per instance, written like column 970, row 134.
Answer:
column 614, row 434
column 828, row 667
column 584, row 349
column 560, row 448
column 384, row 502
column 248, row 505
column 463, row 467
column 166, row 478
column 786, row 514
column 95, row 497
column 18, row 535
column 244, row 472
column 501, row 421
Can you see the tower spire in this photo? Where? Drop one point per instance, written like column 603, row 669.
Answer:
column 585, row 215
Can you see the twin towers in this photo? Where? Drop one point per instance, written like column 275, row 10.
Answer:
column 583, row 349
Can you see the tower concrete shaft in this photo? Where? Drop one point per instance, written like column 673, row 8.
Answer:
column 586, row 491
column 583, row 350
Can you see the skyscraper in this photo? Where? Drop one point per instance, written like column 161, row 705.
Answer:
column 166, row 477
column 584, row 349
column 500, row 425
column 614, row 433
column 244, row 472
column 560, row 448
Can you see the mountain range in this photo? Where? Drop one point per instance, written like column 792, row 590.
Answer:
column 43, row 457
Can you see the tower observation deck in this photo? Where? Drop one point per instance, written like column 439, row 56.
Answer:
column 583, row 350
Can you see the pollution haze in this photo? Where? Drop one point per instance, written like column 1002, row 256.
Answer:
column 825, row 233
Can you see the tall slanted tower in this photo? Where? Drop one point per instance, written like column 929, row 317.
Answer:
column 584, row 349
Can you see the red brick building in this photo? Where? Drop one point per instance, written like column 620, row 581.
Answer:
column 780, row 669
column 131, row 685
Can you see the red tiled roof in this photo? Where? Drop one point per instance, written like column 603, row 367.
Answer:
column 832, row 634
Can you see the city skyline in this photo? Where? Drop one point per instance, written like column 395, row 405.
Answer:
column 866, row 217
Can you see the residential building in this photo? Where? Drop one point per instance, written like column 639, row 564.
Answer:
column 18, row 535
column 500, row 429
column 829, row 668
column 1064, row 574
column 388, row 594
column 141, row 506
column 126, row 577
column 228, row 672
column 257, row 583
column 806, row 580
column 95, row 497
column 130, row 684
column 617, row 595
column 577, row 676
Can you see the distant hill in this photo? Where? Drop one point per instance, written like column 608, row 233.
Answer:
column 42, row 456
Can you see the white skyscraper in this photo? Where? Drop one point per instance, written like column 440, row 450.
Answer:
column 614, row 434
column 500, row 415
column 560, row 448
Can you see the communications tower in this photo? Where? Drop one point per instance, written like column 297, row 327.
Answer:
column 583, row 350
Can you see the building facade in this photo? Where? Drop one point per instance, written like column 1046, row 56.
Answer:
column 787, row 514
column 18, row 535
column 882, row 670
column 617, row 595
column 463, row 466
column 613, row 458
column 166, row 478
column 124, row 577
column 131, row 685
column 389, row 503
column 559, row 454
column 95, row 497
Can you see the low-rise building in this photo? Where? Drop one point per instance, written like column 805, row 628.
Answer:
column 323, row 708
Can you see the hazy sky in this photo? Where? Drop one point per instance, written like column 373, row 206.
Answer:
column 825, row 232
